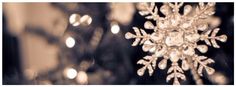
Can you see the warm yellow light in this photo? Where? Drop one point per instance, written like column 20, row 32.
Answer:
column 70, row 42
column 30, row 74
column 219, row 78
column 82, row 77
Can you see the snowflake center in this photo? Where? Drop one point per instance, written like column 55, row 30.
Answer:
column 174, row 38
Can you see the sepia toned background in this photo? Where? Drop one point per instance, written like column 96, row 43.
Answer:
column 84, row 43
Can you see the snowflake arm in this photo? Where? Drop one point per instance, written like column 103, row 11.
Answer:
column 201, row 62
column 205, row 37
column 150, row 11
column 139, row 37
column 177, row 72
column 149, row 63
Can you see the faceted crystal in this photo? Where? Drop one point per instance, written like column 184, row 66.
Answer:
column 210, row 70
column 162, row 25
column 222, row 38
column 150, row 70
column 187, row 9
column 185, row 65
column 148, row 45
column 174, row 55
column 189, row 51
column 201, row 4
column 162, row 64
column 160, row 52
column 202, row 27
column 174, row 38
column 165, row 9
column 148, row 25
column 157, row 37
column 200, row 70
column 140, row 72
column 129, row 35
column 192, row 37
column 202, row 48
column 202, row 57
column 175, row 20
column 186, row 25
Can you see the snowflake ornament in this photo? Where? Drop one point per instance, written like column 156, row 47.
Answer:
column 175, row 38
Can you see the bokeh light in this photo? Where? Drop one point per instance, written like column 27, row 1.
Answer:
column 70, row 73
column 70, row 42
column 115, row 28
column 86, row 20
column 74, row 19
column 82, row 77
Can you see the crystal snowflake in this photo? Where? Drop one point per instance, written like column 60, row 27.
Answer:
column 175, row 38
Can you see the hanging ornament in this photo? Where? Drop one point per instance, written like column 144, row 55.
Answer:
column 179, row 34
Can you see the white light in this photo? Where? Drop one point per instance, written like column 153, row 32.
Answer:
column 70, row 73
column 76, row 24
column 86, row 19
column 115, row 28
column 82, row 77
column 74, row 19
column 70, row 42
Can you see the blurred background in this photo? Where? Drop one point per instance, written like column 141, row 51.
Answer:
column 84, row 43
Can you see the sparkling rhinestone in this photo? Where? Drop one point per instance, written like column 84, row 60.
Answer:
column 185, row 65
column 192, row 37
column 175, row 20
column 189, row 51
column 165, row 9
column 187, row 9
column 174, row 39
column 162, row 64
column 129, row 35
column 202, row 27
column 148, row 45
column 202, row 48
column 174, row 55
column 157, row 37
column 148, row 25
column 162, row 25
column 140, row 72
column 210, row 70
column 222, row 38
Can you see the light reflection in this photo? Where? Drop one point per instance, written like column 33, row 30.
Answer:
column 218, row 78
column 82, row 77
column 70, row 73
column 86, row 20
column 115, row 28
column 74, row 19
column 70, row 42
